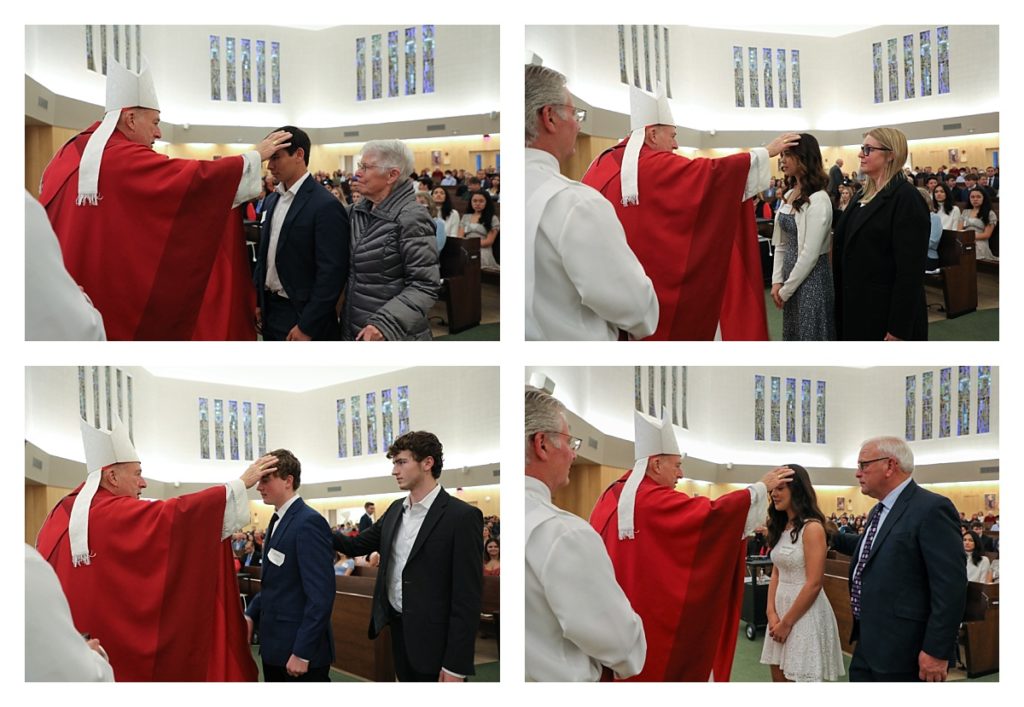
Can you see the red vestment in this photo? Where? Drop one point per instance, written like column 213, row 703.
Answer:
column 695, row 239
column 162, row 256
column 160, row 593
column 683, row 573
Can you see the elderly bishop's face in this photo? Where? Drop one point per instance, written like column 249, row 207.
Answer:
column 662, row 138
column 665, row 469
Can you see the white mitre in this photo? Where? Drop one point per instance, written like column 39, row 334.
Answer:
column 651, row 439
column 102, row 449
column 644, row 110
column 125, row 89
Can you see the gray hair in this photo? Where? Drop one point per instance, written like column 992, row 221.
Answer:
column 893, row 447
column 544, row 87
column 544, row 413
column 393, row 154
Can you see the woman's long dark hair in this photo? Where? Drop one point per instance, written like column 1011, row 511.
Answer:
column 946, row 205
column 804, row 503
column 487, row 215
column 986, row 205
column 446, row 205
column 814, row 179
column 487, row 557
column 976, row 556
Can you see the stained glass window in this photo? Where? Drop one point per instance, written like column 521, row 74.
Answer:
column 109, row 401
column 204, row 428
column 755, row 91
column 737, row 76
column 910, row 406
column 657, row 55
column 926, row 63
column 386, row 417
column 636, row 54
column 780, row 62
column 233, row 427
column 664, row 382
column 668, row 81
column 218, row 427
column 683, row 421
column 908, row 66
column 120, row 394
column 376, row 67
column 675, row 395
column 261, row 70
column 791, row 409
column 229, row 55
column 766, row 62
column 794, row 59
column 410, row 61
column 945, row 397
column 984, row 394
column 214, row 67
column 623, row 76
column 942, row 37
column 103, row 48
column 138, row 46
column 371, row 423
column 926, row 404
column 403, row 409
column 393, row 70
column 361, row 69
column 261, row 429
column 275, row 72
column 128, row 47
column 638, row 400
column 963, row 423
column 117, row 42
column 357, row 433
column 894, row 72
column 428, row 58
column 876, row 64
column 776, row 409
column 96, row 397
column 131, row 410
column 247, row 70
column 90, row 58
column 647, row 56
column 342, row 429
column 247, row 428
column 759, row 407
column 82, row 409
column 821, row 412
column 650, row 393
column 805, row 411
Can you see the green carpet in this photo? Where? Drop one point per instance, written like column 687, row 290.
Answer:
column 483, row 332
column 485, row 672
column 982, row 325
column 747, row 666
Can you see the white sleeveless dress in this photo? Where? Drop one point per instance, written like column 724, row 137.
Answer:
column 812, row 651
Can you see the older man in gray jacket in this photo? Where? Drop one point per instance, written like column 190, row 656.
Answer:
column 394, row 275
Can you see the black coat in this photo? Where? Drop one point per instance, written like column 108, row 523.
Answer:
column 878, row 262
column 914, row 585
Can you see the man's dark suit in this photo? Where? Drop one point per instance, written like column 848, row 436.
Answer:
column 914, row 586
column 293, row 609
column 441, row 585
column 835, row 178
column 312, row 263
column 365, row 522
column 252, row 559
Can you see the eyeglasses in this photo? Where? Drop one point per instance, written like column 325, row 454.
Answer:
column 579, row 113
column 362, row 166
column 868, row 462
column 866, row 150
column 574, row 442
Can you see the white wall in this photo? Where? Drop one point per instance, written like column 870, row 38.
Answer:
column 459, row 405
column 836, row 75
column 318, row 73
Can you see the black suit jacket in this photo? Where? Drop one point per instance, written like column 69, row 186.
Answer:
column 365, row 522
column 442, row 582
column 914, row 585
column 878, row 261
column 312, row 257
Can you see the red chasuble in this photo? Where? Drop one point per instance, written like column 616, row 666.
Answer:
column 683, row 573
column 160, row 593
column 695, row 239
column 162, row 256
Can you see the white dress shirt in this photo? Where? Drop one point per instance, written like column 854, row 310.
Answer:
column 887, row 504
column 405, row 536
column 284, row 203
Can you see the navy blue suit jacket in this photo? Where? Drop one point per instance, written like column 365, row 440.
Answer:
column 293, row 608
column 914, row 585
column 311, row 258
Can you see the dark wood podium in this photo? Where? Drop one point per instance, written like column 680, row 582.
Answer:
column 460, row 282
column 958, row 274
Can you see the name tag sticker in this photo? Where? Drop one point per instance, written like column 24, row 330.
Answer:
column 276, row 556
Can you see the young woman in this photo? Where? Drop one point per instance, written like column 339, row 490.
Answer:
column 802, row 277
column 481, row 222
column 492, row 558
column 942, row 204
column 981, row 219
column 439, row 229
column 935, row 235
column 978, row 566
column 446, row 212
column 845, row 195
column 803, row 639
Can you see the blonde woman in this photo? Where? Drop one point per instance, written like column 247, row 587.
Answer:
column 880, row 249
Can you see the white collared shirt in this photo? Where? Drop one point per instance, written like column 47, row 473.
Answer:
column 284, row 203
column 887, row 504
column 281, row 511
column 405, row 537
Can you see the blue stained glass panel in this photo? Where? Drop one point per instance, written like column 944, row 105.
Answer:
column 805, row 411
column 410, row 61
column 247, row 70
column 109, row 401
column 908, row 66
column 376, row 63
column 942, row 37
column 128, row 47
column 120, row 394
column 926, row 404
column 623, row 76
column 403, row 409
column 361, row 69
column 926, row 63
column 876, row 64
column 96, row 397
column 657, row 54
column 103, row 48
column 393, row 64
column 634, row 33
column 737, row 76
column 755, row 90
column 683, row 422
column 776, row 409
column 357, row 432
column 675, row 395
column 638, row 399
column 963, row 426
column 759, row 408
column 780, row 60
column 791, row 409
column 910, row 408
column 984, row 397
column 650, row 393
column 261, row 70
column 894, row 71
column 647, row 56
column 229, row 54
column 247, row 428
column 131, row 409
column 342, row 430
column 90, row 58
column 945, row 399
column 261, row 429
column 371, row 423
column 668, row 81
column 204, row 428
column 386, row 417
column 214, row 67
column 663, row 373
column 769, row 94
column 218, row 427
column 275, row 72
column 115, row 29
column 794, row 59
column 428, row 58
column 233, row 427
column 821, row 412
column 82, row 409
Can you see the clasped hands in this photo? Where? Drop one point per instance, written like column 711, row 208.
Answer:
column 778, row 629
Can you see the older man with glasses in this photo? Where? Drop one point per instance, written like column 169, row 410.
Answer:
column 395, row 276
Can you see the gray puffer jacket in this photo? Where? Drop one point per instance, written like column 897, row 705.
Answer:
column 394, row 277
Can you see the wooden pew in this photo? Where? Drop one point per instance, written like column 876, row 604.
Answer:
column 490, row 606
column 981, row 629
column 460, row 282
column 354, row 652
column 958, row 274
column 837, row 589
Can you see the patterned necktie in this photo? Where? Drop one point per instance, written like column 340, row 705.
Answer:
column 869, row 538
column 270, row 530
